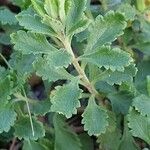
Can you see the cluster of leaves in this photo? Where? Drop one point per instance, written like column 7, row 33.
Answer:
column 93, row 58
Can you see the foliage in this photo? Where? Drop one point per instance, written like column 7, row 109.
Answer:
column 93, row 61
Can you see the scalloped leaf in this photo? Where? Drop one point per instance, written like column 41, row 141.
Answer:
column 23, row 129
column 140, row 125
column 105, row 30
column 34, row 24
column 45, row 69
column 95, row 118
column 113, row 59
column 142, row 104
column 117, row 77
column 31, row 43
column 7, row 118
column 7, row 17
column 65, row 138
column 66, row 99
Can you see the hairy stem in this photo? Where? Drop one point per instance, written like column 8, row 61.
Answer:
column 81, row 72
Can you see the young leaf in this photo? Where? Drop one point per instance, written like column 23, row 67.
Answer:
column 34, row 24
column 66, row 99
column 75, row 13
column 7, row 17
column 94, row 118
column 65, row 139
column 113, row 59
column 31, row 43
column 23, row 129
column 105, row 30
column 140, row 125
column 127, row 10
column 142, row 104
column 7, row 118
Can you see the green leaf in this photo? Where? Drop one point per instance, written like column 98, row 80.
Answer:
column 48, row 71
column 34, row 24
column 127, row 139
column 7, row 118
column 86, row 141
column 140, row 125
column 32, row 145
column 40, row 107
column 31, row 43
column 75, row 13
column 148, row 84
column 65, row 99
column 94, row 118
column 120, row 101
column 38, row 5
column 110, row 140
column 113, row 59
column 127, row 10
column 65, row 139
column 142, row 104
column 140, row 78
column 23, row 129
column 117, row 77
column 59, row 58
column 105, row 30
column 7, row 17
column 5, row 89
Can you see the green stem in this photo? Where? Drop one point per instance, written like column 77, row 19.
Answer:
column 6, row 62
column 29, row 112
column 81, row 72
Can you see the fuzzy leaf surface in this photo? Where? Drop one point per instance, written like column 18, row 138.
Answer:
column 113, row 59
column 94, row 118
column 65, row 100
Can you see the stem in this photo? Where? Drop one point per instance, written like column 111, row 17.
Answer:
column 29, row 112
column 81, row 72
column 5, row 61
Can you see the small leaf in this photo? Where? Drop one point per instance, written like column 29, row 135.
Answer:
column 105, row 30
column 7, row 118
column 140, row 125
column 127, row 10
column 75, row 13
column 66, row 99
column 142, row 104
column 7, row 17
column 31, row 43
column 113, row 59
column 65, row 139
column 95, row 118
column 23, row 129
